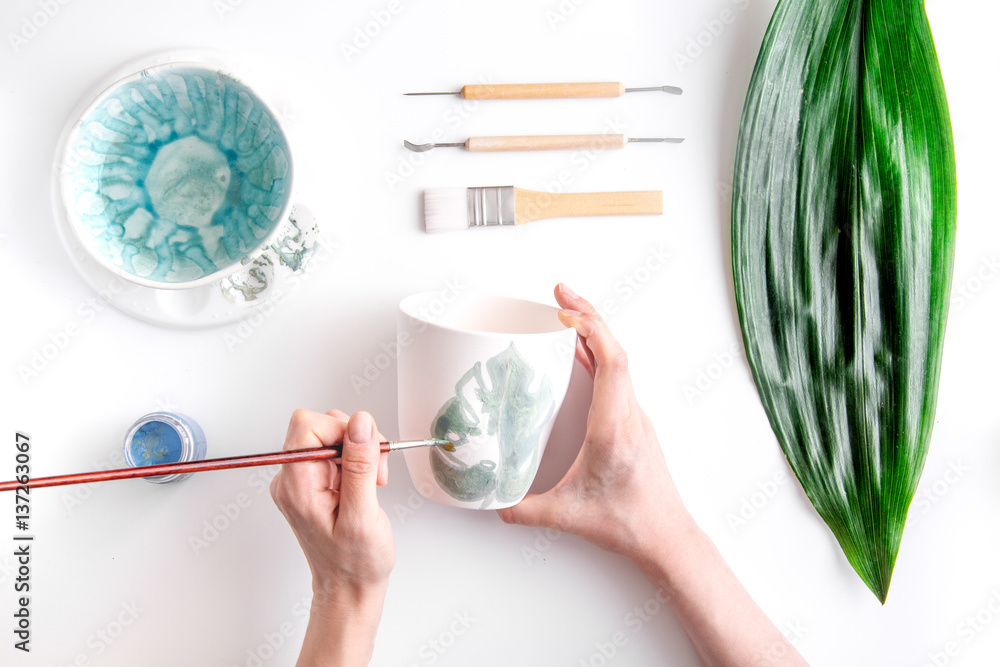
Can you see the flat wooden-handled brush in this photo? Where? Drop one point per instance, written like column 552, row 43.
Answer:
column 249, row 461
column 448, row 209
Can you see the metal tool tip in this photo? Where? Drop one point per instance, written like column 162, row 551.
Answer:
column 668, row 140
column 673, row 90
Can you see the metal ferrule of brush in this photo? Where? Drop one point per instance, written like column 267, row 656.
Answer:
column 490, row 207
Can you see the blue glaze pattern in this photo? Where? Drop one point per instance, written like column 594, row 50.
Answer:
column 179, row 173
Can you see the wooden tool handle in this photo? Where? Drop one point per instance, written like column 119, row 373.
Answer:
column 532, row 205
column 538, row 91
column 546, row 142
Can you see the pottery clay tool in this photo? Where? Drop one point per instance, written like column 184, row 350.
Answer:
column 457, row 208
column 538, row 91
column 540, row 142
column 312, row 454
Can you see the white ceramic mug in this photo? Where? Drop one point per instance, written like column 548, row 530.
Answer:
column 488, row 373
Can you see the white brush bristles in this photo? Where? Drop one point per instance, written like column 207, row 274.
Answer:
column 446, row 209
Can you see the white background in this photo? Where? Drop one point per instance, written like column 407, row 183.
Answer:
column 130, row 543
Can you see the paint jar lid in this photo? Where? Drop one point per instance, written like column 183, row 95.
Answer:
column 163, row 437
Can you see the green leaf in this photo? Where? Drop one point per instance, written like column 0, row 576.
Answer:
column 843, row 231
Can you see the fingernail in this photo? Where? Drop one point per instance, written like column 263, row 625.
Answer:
column 361, row 428
column 567, row 291
column 569, row 318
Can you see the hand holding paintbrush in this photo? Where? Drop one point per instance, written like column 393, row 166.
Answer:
column 332, row 452
column 344, row 533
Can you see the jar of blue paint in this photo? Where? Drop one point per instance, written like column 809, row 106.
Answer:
column 163, row 437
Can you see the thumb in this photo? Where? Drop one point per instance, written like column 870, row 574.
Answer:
column 359, row 466
column 534, row 510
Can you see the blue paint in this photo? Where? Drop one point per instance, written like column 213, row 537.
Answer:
column 155, row 442
column 164, row 437
column 179, row 173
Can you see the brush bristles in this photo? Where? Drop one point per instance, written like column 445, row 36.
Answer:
column 446, row 209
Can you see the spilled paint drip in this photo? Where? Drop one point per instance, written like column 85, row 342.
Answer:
column 181, row 172
column 515, row 418
column 295, row 243
column 155, row 442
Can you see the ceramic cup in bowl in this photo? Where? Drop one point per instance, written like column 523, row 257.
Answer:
column 488, row 373
column 176, row 174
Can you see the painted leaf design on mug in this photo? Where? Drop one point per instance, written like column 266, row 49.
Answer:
column 513, row 414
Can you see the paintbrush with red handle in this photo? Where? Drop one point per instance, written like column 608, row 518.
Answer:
column 272, row 458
